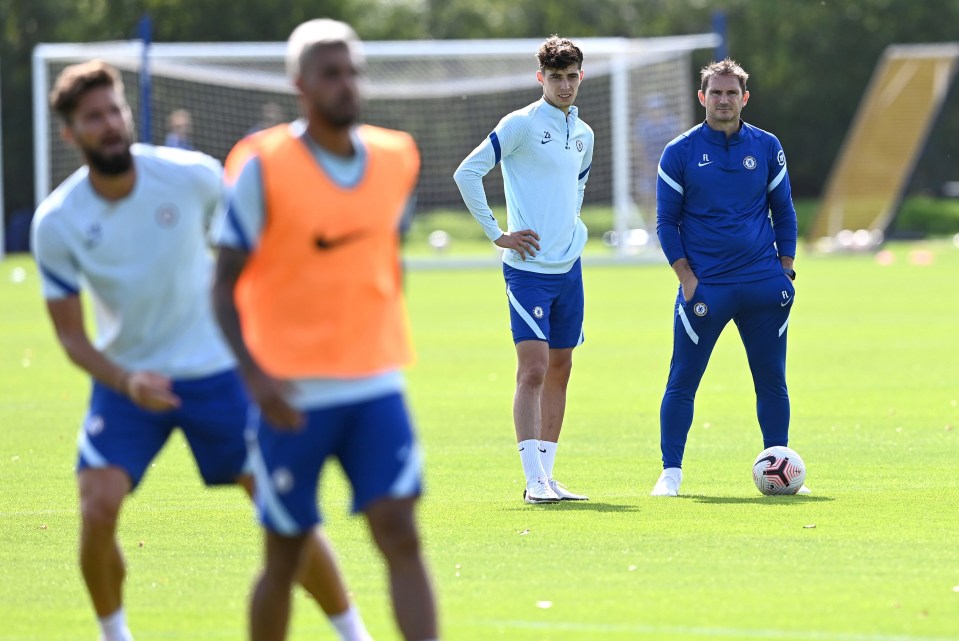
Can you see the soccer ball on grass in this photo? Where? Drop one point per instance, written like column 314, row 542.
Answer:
column 779, row 470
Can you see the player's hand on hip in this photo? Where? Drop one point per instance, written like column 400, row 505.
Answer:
column 151, row 391
column 689, row 287
column 270, row 395
column 522, row 242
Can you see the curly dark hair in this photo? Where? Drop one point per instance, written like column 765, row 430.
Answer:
column 726, row 67
column 76, row 80
column 559, row 53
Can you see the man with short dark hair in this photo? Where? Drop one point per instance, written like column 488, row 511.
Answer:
column 129, row 227
column 546, row 151
column 718, row 183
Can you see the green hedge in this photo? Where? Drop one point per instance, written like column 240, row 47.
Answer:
column 932, row 216
column 918, row 215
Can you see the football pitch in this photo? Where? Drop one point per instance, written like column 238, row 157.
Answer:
column 871, row 555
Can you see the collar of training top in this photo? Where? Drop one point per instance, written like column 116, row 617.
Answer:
column 719, row 137
column 555, row 112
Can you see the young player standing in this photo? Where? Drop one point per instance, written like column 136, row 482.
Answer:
column 718, row 183
column 546, row 151
column 308, row 292
column 129, row 226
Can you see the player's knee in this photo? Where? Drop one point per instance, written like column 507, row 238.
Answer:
column 531, row 374
column 101, row 494
column 400, row 543
column 394, row 529
column 772, row 387
column 285, row 557
column 684, row 379
column 99, row 513
column 561, row 367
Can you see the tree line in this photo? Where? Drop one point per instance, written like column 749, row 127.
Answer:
column 809, row 60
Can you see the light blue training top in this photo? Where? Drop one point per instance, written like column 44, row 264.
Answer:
column 143, row 259
column 546, row 158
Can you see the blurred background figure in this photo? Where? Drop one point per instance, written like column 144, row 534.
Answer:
column 271, row 115
column 180, row 127
column 655, row 126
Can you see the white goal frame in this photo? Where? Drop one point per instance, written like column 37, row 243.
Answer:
column 623, row 53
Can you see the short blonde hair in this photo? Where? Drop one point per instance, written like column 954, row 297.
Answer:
column 317, row 33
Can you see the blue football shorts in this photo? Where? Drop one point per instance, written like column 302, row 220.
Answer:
column 212, row 416
column 373, row 441
column 546, row 307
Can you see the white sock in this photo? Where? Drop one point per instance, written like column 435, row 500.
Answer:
column 532, row 463
column 349, row 625
column 114, row 627
column 547, row 451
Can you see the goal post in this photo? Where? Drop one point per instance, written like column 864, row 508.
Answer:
column 448, row 94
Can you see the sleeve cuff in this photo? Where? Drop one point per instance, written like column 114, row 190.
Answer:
column 786, row 248
column 672, row 258
column 493, row 233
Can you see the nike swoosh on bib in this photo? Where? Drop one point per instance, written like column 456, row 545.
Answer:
column 332, row 243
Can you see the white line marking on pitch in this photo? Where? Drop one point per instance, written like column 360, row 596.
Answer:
column 802, row 635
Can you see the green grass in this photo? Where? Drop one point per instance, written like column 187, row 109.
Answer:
column 874, row 379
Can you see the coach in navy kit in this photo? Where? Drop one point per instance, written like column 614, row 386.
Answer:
column 727, row 225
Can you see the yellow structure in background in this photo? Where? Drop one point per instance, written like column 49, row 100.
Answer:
column 902, row 101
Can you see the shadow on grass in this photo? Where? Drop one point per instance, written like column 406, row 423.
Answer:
column 579, row 506
column 756, row 500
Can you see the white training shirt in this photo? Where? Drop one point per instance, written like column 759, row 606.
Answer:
column 546, row 157
column 143, row 259
column 240, row 226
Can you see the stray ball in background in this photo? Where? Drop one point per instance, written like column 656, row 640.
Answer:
column 439, row 240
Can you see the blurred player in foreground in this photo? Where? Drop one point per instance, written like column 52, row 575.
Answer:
column 129, row 227
column 308, row 292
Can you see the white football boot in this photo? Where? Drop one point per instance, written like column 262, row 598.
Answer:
column 539, row 491
column 668, row 483
column 564, row 494
column 804, row 490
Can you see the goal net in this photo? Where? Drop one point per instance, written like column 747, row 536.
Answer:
column 449, row 94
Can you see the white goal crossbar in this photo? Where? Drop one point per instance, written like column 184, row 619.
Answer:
column 404, row 71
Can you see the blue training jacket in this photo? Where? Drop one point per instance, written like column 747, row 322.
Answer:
column 714, row 196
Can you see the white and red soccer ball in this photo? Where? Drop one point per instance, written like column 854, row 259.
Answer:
column 779, row 470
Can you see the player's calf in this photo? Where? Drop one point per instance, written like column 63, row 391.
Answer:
column 102, row 491
column 393, row 525
column 270, row 606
